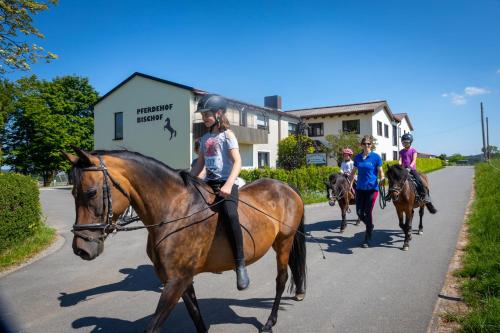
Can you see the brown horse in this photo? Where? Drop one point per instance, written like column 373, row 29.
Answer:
column 338, row 189
column 185, row 235
column 404, row 196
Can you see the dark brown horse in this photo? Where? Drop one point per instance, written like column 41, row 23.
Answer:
column 338, row 189
column 185, row 235
column 404, row 196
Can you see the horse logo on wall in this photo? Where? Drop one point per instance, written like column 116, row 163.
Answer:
column 168, row 127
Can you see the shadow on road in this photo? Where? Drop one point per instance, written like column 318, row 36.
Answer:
column 344, row 244
column 141, row 278
column 214, row 311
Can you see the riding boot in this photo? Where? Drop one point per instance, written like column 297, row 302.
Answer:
column 427, row 197
column 242, row 280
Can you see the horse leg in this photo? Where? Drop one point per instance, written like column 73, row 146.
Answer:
column 420, row 225
column 170, row 295
column 407, row 229
column 189, row 298
column 343, row 209
column 282, row 249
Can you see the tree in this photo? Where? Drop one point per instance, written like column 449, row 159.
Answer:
column 340, row 141
column 292, row 151
column 442, row 157
column 15, row 20
column 48, row 117
column 492, row 151
column 6, row 106
column 455, row 157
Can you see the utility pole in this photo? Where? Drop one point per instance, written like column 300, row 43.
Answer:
column 482, row 128
column 487, row 140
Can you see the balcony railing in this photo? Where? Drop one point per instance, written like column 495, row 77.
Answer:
column 246, row 135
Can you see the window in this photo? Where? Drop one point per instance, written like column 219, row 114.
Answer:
column 315, row 129
column 118, row 125
column 395, row 155
column 394, row 135
column 384, row 156
column 261, row 121
column 243, row 117
column 386, row 130
column 379, row 128
column 351, row 126
column 263, row 159
column 292, row 129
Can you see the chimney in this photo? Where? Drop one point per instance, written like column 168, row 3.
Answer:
column 273, row 102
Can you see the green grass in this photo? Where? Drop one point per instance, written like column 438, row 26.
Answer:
column 311, row 197
column 481, row 271
column 18, row 253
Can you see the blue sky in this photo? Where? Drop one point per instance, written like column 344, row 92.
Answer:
column 435, row 60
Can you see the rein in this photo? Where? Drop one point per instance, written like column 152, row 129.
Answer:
column 108, row 226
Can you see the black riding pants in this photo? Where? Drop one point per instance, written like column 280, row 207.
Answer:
column 420, row 186
column 365, row 200
column 229, row 212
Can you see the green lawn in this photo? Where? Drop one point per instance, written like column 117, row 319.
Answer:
column 29, row 247
column 481, row 272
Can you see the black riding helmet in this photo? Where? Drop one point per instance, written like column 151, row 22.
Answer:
column 212, row 103
column 407, row 137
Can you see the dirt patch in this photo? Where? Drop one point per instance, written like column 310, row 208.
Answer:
column 450, row 299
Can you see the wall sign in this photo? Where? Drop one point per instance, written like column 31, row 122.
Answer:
column 318, row 158
column 155, row 113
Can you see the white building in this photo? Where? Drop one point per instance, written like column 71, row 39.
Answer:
column 371, row 118
column 156, row 118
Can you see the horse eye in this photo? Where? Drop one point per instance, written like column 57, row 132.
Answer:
column 91, row 193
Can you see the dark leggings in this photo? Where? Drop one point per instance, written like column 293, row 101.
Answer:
column 229, row 211
column 365, row 200
column 420, row 186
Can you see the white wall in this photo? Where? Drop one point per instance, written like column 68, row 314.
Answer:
column 384, row 144
column 148, row 138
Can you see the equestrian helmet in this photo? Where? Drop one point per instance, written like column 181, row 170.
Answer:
column 212, row 103
column 347, row 151
column 407, row 137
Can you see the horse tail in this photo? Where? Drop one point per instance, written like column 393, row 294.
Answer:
column 431, row 208
column 297, row 260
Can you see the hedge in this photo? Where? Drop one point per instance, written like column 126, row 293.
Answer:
column 20, row 209
column 429, row 164
column 311, row 178
column 308, row 178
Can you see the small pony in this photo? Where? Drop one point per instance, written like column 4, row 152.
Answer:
column 338, row 188
column 403, row 193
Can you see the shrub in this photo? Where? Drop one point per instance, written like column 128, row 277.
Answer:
column 20, row 209
column 429, row 164
column 307, row 178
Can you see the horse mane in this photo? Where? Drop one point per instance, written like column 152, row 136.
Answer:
column 396, row 172
column 158, row 167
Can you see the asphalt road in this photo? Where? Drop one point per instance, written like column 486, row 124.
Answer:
column 379, row 289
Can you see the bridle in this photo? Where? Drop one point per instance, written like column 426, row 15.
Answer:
column 398, row 188
column 107, row 224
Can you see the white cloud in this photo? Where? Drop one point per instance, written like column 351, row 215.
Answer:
column 498, row 71
column 471, row 91
column 444, row 95
column 458, row 99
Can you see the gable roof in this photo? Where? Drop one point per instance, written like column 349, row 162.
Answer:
column 343, row 109
column 193, row 90
column 400, row 116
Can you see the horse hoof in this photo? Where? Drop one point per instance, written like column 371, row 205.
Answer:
column 299, row 297
column 405, row 248
column 267, row 330
column 420, row 232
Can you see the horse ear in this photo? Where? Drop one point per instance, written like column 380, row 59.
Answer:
column 84, row 157
column 71, row 158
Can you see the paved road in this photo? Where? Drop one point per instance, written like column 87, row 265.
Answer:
column 380, row 289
